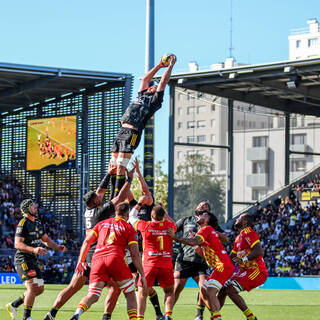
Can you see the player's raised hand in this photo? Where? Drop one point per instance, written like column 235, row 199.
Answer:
column 136, row 164
column 62, row 248
column 131, row 173
column 80, row 268
column 172, row 60
column 171, row 233
column 40, row 251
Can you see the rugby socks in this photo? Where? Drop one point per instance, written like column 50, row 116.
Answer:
column 54, row 311
column 18, row 302
column 113, row 186
column 120, row 180
column 168, row 313
column 106, row 316
column 132, row 313
column 27, row 312
column 248, row 313
column 82, row 307
column 155, row 302
column 200, row 310
column 140, row 317
column 216, row 315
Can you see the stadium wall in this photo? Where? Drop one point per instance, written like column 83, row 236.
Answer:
column 284, row 283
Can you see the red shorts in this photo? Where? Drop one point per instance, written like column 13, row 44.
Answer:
column 163, row 275
column 250, row 278
column 220, row 275
column 106, row 267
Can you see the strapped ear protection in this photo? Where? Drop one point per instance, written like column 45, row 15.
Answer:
column 25, row 207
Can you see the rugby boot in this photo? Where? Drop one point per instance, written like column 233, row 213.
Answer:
column 48, row 316
column 159, row 317
column 198, row 318
column 74, row 317
column 167, row 318
column 12, row 311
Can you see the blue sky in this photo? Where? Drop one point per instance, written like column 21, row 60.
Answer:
column 110, row 36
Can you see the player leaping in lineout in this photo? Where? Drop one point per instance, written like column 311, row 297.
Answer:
column 134, row 119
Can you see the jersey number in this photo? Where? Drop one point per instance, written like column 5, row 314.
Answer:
column 109, row 240
column 160, row 239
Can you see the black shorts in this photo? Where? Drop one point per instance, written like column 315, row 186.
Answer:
column 27, row 269
column 189, row 269
column 89, row 256
column 126, row 141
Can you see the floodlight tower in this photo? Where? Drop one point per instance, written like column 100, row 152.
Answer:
column 148, row 170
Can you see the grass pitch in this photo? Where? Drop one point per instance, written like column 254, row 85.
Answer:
column 266, row 304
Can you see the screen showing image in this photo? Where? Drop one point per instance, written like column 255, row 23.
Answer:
column 51, row 143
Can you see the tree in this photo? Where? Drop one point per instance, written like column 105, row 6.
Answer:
column 193, row 184
column 160, row 185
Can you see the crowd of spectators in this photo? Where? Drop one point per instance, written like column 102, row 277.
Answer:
column 290, row 234
column 57, row 267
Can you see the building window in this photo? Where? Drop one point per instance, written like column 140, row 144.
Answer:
column 212, row 152
column 190, row 139
column 179, row 139
column 190, row 153
column 179, row 154
column 180, row 111
column 313, row 43
column 260, row 141
column 258, row 194
column 213, row 123
column 201, row 152
column 191, row 124
column 298, row 43
column 179, row 125
column 298, row 165
column 179, row 96
column 259, row 167
column 201, row 123
column 213, row 138
column 298, row 139
column 202, row 109
column 213, row 107
column 191, row 110
column 212, row 167
column 201, row 138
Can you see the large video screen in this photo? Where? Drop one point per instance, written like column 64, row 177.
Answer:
column 51, row 143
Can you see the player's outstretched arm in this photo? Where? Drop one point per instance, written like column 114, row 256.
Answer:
column 143, row 185
column 122, row 196
column 167, row 74
column 47, row 241
column 149, row 75
column 195, row 241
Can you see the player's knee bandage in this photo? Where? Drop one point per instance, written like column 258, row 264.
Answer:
column 122, row 161
column 113, row 160
column 95, row 291
column 212, row 283
column 128, row 287
column 236, row 285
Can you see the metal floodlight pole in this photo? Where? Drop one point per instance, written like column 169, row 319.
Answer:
column 148, row 170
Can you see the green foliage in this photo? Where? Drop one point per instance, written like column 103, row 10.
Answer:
column 160, row 186
column 194, row 183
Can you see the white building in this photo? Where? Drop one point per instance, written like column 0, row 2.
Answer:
column 259, row 142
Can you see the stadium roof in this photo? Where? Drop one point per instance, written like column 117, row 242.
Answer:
column 24, row 85
column 290, row 86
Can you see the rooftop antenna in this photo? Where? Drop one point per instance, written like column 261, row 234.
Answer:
column 230, row 48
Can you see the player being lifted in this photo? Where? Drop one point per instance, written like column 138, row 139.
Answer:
column 113, row 236
column 28, row 238
column 247, row 254
column 93, row 214
column 133, row 122
column 157, row 256
column 208, row 244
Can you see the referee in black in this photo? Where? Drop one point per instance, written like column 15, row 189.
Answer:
column 28, row 238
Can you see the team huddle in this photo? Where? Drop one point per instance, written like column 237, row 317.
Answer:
column 110, row 255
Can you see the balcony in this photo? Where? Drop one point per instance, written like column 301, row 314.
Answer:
column 258, row 154
column 257, row 180
column 299, row 148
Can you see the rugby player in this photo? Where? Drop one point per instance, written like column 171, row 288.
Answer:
column 157, row 256
column 93, row 214
column 133, row 121
column 113, row 236
column 28, row 238
column 208, row 244
column 247, row 254
column 189, row 264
